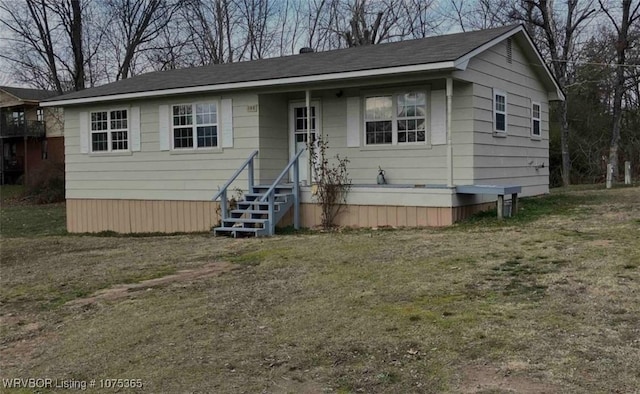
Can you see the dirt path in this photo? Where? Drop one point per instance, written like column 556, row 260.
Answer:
column 122, row 291
column 504, row 379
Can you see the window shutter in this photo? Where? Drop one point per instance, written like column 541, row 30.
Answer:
column 438, row 117
column 226, row 122
column 134, row 129
column 163, row 126
column 84, row 132
column 353, row 122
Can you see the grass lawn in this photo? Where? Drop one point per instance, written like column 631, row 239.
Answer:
column 546, row 302
column 18, row 218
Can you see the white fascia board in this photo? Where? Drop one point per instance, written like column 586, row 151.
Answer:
column 256, row 84
column 465, row 59
column 462, row 62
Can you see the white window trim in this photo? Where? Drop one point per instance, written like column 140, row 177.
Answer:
column 109, row 131
column 498, row 92
column 538, row 119
column 194, row 127
column 394, row 118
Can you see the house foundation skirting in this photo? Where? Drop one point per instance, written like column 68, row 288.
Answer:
column 389, row 215
column 140, row 216
column 148, row 216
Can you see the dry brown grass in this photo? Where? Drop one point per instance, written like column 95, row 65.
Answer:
column 548, row 305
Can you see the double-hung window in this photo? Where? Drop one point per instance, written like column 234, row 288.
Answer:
column 195, row 126
column 499, row 111
column 535, row 120
column 109, row 131
column 396, row 119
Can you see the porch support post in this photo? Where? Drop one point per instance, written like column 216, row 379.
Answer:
column 296, row 195
column 307, row 96
column 2, row 158
column 26, row 168
column 449, row 139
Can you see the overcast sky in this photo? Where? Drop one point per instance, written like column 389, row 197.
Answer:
column 440, row 6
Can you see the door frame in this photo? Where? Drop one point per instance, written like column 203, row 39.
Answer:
column 291, row 133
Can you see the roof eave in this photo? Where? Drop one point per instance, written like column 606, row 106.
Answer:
column 440, row 66
column 11, row 94
column 556, row 95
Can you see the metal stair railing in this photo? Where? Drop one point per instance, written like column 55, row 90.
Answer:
column 222, row 193
column 269, row 195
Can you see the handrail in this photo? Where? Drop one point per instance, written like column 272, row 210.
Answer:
column 235, row 175
column 270, row 194
column 284, row 172
column 222, row 194
column 23, row 128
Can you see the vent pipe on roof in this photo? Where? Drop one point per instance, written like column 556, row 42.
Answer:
column 306, row 50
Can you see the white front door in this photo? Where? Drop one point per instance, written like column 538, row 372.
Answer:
column 298, row 134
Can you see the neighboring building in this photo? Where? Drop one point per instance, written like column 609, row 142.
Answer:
column 440, row 115
column 29, row 134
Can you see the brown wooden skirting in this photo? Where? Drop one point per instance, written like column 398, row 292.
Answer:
column 140, row 216
column 144, row 216
column 390, row 216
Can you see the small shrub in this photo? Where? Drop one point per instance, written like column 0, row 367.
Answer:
column 331, row 181
column 45, row 185
column 232, row 203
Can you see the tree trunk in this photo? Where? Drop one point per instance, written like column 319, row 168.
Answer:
column 617, row 121
column 622, row 45
column 39, row 16
column 564, row 143
column 76, row 44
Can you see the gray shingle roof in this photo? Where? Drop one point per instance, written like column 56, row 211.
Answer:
column 29, row 94
column 405, row 53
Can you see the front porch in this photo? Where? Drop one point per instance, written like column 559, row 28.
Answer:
column 263, row 207
column 406, row 127
column 417, row 154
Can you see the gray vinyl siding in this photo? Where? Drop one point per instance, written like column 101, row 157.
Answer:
column 511, row 159
column 273, row 139
column 407, row 165
column 152, row 174
column 462, row 139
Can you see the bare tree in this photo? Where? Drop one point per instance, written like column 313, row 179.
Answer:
column 321, row 21
column 480, row 14
column 364, row 22
column 212, row 30
column 421, row 20
column 97, row 62
column 47, row 43
column 259, row 33
column 629, row 16
column 289, row 23
column 70, row 14
column 134, row 24
column 170, row 49
column 368, row 26
column 559, row 39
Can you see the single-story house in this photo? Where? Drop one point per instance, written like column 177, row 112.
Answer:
column 30, row 136
column 442, row 116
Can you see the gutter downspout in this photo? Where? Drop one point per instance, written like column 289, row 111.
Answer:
column 449, row 139
column 307, row 94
